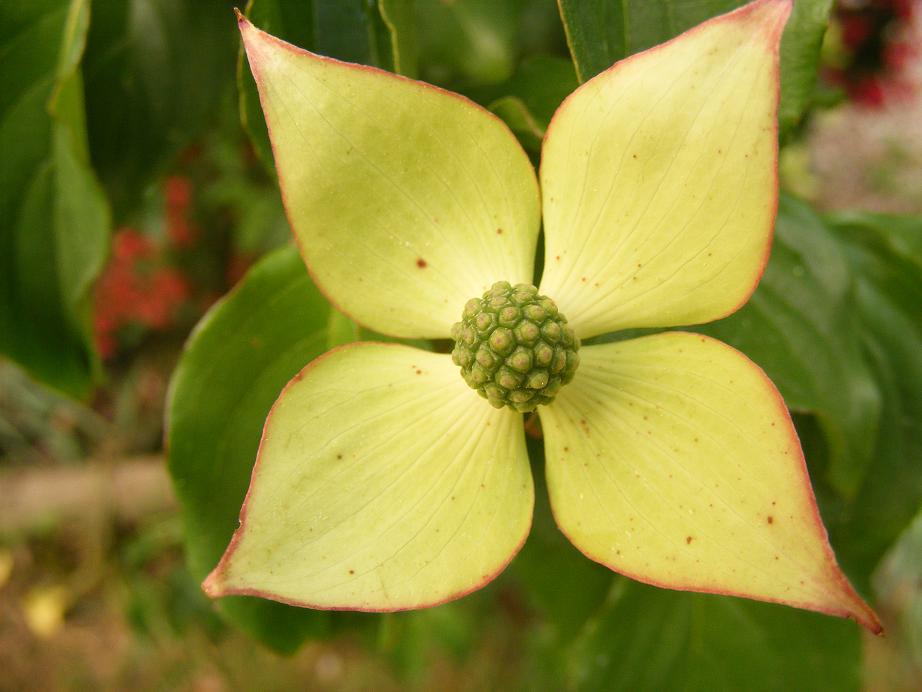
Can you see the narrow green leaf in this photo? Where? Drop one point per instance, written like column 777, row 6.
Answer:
column 652, row 639
column 54, row 221
column 800, row 325
column 400, row 22
column 237, row 361
column 600, row 32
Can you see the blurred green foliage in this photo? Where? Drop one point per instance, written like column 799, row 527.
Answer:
column 99, row 99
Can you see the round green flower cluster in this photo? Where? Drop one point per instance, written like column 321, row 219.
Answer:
column 514, row 347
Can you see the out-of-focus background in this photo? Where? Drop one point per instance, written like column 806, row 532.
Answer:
column 94, row 589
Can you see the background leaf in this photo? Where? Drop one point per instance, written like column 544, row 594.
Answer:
column 54, row 221
column 241, row 355
column 600, row 32
column 146, row 96
column 885, row 254
column 528, row 100
column 646, row 638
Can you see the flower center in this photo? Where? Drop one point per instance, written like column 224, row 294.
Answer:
column 514, row 347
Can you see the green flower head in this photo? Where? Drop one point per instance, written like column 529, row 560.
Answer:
column 391, row 478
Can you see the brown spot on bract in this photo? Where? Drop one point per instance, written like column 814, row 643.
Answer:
column 771, row 519
column 689, row 539
column 499, row 231
column 557, row 258
column 351, row 571
column 419, row 372
column 566, row 449
column 339, row 456
column 421, row 263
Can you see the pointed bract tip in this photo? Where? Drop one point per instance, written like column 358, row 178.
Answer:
column 241, row 19
column 212, row 584
column 772, row 12
column 869, row 620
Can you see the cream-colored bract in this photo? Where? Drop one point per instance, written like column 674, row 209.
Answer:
column 671, row 458
column 383, row 482
column 406, row 200
column 659, row 179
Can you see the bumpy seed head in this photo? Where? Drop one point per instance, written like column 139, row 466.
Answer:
column 514, row 347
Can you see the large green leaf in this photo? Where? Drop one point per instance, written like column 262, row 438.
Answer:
column 156, row 71
column 376, row 32
column 801, row 327
column 54, row 220
column 237, row 361
column 652, row 639
column 601, row 32
column 886, row 257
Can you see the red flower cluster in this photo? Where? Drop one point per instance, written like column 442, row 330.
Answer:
column 137, row 289
column 873, row 34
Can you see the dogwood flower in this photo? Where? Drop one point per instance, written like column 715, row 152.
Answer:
column 388, row 480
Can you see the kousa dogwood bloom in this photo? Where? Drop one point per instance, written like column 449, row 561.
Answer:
column 384, row 482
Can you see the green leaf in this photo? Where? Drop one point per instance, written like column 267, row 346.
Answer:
column 800, row 325
column 156, row 71
column 375, row 32
column 399, row 35
column 556, row 579
column 652, row 639
column 528, row 101
column 54, row 221
column 601, row 32
column 235, row 364
column 470, row 42
column 885, row 254
column 800, row 55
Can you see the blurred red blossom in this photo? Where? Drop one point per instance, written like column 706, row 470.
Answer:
column 877, row 51
column 138, row 288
